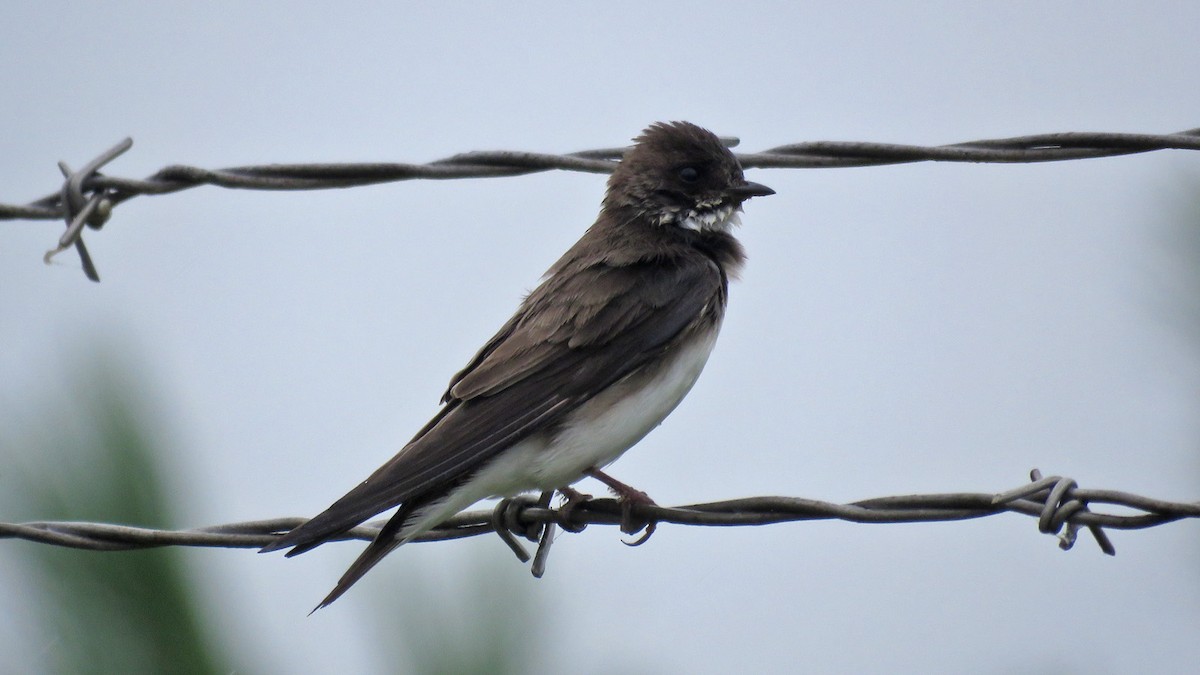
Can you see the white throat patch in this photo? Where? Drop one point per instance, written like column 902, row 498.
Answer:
column 722, row 218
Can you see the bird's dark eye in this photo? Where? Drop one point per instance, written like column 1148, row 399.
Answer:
column 689, row 174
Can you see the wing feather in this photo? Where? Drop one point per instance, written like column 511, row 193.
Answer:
column 572, row 337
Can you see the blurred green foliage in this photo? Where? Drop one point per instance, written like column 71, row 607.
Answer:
column 91, row 457
column 92, row 452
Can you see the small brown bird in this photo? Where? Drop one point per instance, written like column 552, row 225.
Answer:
column 595, row 357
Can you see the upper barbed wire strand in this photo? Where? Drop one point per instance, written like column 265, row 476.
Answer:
column 87, row 197
column 492, row 164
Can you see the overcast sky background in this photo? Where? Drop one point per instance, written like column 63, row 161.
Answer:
column 923, row 328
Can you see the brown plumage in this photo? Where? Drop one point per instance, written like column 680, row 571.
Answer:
column 629, row 311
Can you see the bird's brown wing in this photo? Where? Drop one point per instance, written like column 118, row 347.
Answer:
column 573, row 337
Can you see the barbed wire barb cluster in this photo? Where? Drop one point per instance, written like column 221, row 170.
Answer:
column 1060, row 506
column 88, row 196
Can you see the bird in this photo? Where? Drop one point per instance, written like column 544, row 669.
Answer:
column 595, row 357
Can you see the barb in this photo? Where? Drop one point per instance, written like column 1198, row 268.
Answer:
column 78, row 210
column 108, row 191
column 1059, row 505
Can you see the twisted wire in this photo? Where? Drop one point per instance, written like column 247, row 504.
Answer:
column 87, row 196
column 1059, row 505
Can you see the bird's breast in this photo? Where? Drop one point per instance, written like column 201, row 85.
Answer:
column 614, row 420
column 601, row 429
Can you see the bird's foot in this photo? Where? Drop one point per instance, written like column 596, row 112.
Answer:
column 629, row 497
column 574, row 499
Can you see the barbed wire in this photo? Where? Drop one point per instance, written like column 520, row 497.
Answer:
column 1060, row 506
column 87, row 196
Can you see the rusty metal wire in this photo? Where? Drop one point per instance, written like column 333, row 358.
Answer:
column 1060, row 506
column 88, row 196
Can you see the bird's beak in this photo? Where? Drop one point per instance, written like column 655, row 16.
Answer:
column 747, row 190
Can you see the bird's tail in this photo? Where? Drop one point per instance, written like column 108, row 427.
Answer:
column 382, row 545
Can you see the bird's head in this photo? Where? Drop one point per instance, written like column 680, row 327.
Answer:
column 681, row 175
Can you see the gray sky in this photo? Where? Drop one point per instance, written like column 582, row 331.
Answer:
column 929, row 328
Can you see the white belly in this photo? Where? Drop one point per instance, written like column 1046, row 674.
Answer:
column 602, row 429
column 593, row 435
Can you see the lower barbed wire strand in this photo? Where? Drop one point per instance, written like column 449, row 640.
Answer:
column 526, row 517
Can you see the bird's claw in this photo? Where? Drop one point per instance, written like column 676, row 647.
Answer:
column 631, row 524
column 629, row 497
column 573, row 500
column 649, row 530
